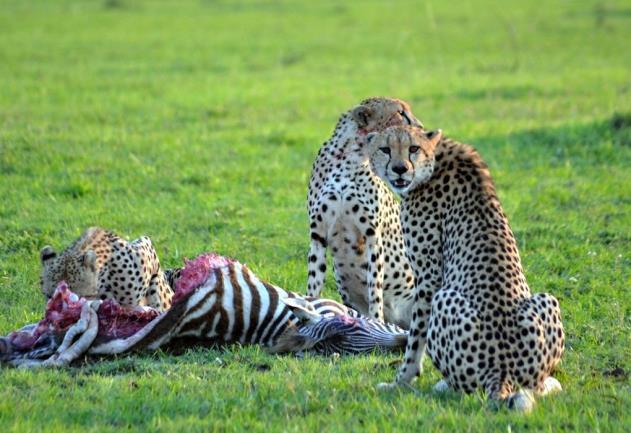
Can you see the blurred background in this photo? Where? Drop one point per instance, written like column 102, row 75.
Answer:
column 196, row 122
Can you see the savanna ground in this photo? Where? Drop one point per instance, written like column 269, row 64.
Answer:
column 197, row 122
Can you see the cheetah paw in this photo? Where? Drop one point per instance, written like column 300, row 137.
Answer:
column 441, row 386
column 550, row 386
column 521, row 401
column 387, row 386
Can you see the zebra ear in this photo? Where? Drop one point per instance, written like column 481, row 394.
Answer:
column 303, row 309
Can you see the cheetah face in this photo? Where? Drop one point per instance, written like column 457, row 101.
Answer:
column 78, row 271
column 403, row 156
column 376, row 114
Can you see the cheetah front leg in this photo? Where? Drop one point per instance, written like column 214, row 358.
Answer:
column 412, row 365
column 317, row 250
column 159, row 293
column 428, row 280
column 375, row 273
column 317, row 265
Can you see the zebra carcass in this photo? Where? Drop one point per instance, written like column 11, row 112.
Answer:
column 217, row 300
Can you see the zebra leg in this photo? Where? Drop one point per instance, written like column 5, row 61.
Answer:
column 121, row 345
column 76, row 329
column 80, row 346
column 161, row 329
column 87, row 326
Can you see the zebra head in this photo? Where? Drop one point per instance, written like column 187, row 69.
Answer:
column 294, row 338
column 341, row 334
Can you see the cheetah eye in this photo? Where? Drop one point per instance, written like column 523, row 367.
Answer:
column 414, row 149
column 385, row 150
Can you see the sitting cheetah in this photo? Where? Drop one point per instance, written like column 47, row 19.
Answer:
column 354, row 214
column 101, row 264
column 473, row 308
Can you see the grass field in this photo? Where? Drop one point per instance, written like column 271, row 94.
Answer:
column 196, row 123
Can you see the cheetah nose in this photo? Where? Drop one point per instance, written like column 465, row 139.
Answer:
column 399, row 169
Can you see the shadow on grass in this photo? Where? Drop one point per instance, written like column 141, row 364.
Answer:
column 605, row 142
column 504, row 92
column 616, row 129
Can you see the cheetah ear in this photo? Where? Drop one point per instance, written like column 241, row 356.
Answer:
column 89, row 260
column 303, row 310
column 47, row 253
column 434, row 137
column 361, row 115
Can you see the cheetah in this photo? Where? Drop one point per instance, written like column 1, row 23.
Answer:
column 352, row 212
column 473, row 310
column 102, row 265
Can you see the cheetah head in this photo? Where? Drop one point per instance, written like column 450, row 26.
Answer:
column 376, row 114
column 403, row 156
column 77, row 270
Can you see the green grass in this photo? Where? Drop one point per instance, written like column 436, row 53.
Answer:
column 196, row 123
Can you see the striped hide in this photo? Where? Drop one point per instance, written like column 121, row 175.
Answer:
column 235, row 306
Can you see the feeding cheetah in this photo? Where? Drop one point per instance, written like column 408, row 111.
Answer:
column 102, row 265
column 354, row 214
column 473, row 308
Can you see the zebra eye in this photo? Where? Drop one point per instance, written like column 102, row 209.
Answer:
column 385, row 150
column 414, row 149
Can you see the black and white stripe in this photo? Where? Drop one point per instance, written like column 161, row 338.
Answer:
column 235, row 306
column 343, row 334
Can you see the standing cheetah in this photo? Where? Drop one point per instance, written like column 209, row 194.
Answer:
column 101, row 264
column 473, row 308
column 354, row 214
